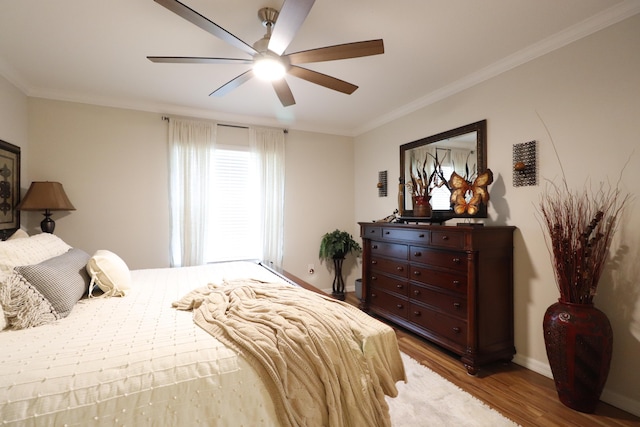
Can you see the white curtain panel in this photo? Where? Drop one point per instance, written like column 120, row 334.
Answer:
column 464, row 160
column 267, row 148
column 190, row 146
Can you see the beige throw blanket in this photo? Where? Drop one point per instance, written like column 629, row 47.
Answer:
column 324, row 362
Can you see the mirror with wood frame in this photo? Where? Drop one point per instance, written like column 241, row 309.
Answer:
column 463, row 150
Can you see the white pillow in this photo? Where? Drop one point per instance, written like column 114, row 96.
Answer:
column 19, row 234
column 110, row 273
column 23, row 305
column 32, row 250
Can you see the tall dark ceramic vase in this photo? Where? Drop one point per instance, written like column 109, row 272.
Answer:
column 579, row 343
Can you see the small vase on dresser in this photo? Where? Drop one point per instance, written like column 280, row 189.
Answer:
column 452, row 285
column 421, row 206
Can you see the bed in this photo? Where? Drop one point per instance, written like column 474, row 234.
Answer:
column 137, row 360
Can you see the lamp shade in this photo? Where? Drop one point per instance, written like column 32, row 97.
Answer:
column 45, row 195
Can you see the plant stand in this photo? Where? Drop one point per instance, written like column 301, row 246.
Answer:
column 338, row 281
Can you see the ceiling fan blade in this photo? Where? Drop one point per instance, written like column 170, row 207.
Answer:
column 340, row 51
column 291, row 16
column 323, row 80
column 232, row 84
column 197, row 19
column 284, row 92
column 197, row 60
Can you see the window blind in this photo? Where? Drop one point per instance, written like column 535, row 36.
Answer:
column 233, row 231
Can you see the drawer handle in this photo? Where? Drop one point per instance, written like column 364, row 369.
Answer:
column 417, row 253
column 417, row 313
column 421, row 235
column 372, row 231
column 374, row 247
column 387, row 232
column 456, row 283
column 456, row 260
column 445, row 237
column 400, row 268
column 399, row 306
column 400, row 286
column 374, row 262
column 416, row 273
column 416, row 292
column 374, row 278
column 373, row 295
column 456, row 330
column 457, row 305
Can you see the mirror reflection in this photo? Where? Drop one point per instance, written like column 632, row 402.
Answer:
column 426, row 166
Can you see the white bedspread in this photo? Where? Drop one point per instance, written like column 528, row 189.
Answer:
column 132, row 361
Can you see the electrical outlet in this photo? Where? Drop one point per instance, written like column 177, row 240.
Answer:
column 311, row 268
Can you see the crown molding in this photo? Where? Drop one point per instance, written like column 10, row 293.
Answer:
column 604, row 19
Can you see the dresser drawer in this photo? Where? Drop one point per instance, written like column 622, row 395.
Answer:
column 418, row 236
column 390, row 303
column 450, row 328
column 395, row 250
column 446, row 259
column 447, row 239
column 437, row 278
column 455, row 305
column 391, row 266
column 388, row 283
column 371, row 232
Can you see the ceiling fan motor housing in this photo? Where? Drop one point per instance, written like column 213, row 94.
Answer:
column 268, row 16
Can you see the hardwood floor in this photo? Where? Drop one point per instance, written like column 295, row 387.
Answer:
column 521, row 395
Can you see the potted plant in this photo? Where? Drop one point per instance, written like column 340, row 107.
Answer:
column 335, row 246
column 579, row 227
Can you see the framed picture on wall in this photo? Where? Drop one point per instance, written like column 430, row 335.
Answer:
column 9, row 188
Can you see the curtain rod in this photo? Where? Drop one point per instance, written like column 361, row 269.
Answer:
column 166, row 118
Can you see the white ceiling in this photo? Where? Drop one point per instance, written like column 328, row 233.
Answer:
column 94, row 51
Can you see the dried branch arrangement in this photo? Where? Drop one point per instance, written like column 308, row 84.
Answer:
column 422, row 182
column 579, row 228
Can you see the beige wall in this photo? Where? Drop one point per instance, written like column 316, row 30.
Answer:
column 588, row 94
column 113, row 165
column 318, row 199
column 13, row 120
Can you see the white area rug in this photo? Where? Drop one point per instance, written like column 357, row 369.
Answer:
column 427, row 399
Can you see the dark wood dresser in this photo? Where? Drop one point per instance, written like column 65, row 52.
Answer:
column 452, row 285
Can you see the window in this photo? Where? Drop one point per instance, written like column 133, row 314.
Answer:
column 233, row 228
column 226, row 193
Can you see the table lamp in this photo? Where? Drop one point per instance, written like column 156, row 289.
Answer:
column 47, row 196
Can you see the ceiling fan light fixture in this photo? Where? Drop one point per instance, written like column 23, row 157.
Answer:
column 269, row 68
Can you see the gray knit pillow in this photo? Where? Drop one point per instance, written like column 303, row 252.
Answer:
column 62, row 280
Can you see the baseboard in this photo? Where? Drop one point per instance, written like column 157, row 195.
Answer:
column 351, row 288
column 533, row 365
column 615, row 399
column 622, row 402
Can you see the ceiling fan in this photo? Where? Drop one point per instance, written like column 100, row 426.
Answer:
column 267, row 54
